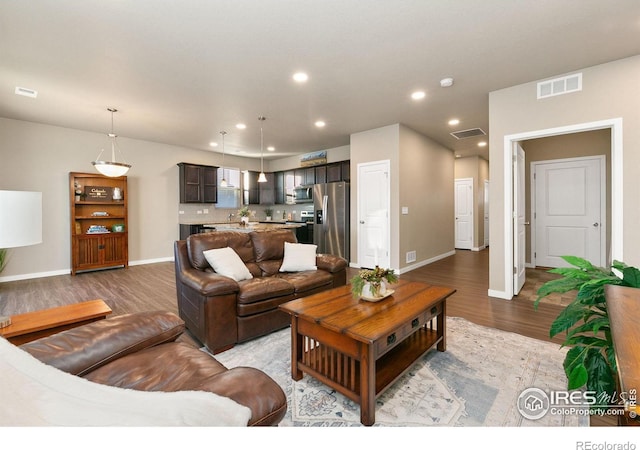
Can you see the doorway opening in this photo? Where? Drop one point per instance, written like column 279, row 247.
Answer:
column 509, row 189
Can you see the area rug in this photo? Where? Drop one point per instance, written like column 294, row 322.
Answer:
column 476, row 382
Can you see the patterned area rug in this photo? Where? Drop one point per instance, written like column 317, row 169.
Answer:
column 476, row 382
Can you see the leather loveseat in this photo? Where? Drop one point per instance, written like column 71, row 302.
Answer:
column 140, row 352
column 220, row 311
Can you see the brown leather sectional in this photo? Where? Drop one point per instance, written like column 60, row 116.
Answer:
column 139, row 351
column 221, row 312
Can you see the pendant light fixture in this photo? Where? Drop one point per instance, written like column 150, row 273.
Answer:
column 262, row 178
column 223, row 182
column 111, row 168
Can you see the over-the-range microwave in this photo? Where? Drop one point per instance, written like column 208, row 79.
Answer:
column 303, row 194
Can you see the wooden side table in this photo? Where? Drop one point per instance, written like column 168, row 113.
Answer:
column 36, row 324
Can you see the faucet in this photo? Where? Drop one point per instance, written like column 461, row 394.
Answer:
column 229, row 217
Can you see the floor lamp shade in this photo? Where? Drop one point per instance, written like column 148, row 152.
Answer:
column 20, row 218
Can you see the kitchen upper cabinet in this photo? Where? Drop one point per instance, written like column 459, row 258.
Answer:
column 198, row 183
column 261, row 193
column 321, row 174
column 339, row 171
column 268, row 190
column 309, row 176
column 334, row 172
column 345, row 170
column 280, row 193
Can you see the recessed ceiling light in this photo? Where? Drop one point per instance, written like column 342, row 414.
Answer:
column 300, row 77
column 26, row 92
column 458, row 156
column 213, row 144
column 482, row 144
column 446, row 82
column 454, row 122
column 271, row 148
column 320, row 123
column 418, row 95
column 241, row 126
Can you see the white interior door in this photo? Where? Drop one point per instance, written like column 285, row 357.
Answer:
column 373, row 214
column 486, row 213
column 464, row 213
column 519, row 268
column 569, row 210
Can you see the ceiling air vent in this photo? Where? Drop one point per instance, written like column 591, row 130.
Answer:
column 559, row 86
column 464, row 134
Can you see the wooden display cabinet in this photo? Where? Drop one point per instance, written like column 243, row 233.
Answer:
column 98, row 202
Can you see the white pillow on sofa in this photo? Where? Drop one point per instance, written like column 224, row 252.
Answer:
column 299, row 257
column 226, row 262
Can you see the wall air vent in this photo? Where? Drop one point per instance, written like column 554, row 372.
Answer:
column 26, row 92
column 559, row 86
column 464, row 134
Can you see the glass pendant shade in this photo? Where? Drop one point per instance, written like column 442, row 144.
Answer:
column 111, row 168
column 262, row 178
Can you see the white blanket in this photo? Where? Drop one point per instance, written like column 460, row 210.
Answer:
column 35, row 394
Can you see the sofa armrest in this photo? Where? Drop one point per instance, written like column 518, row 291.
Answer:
column 330, row 263
column 208, row 284
column 252, row 388
column 85, row 348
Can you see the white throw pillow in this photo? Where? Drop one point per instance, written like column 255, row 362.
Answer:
column 298, row 257
column 225, row 261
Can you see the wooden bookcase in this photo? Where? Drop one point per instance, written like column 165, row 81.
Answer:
column 95, row 206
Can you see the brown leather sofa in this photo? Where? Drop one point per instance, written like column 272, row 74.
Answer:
column 139, row 351
column 221, row 312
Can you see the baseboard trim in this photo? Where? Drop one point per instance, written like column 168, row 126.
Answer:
column 426, row 262
column 30, row 276
column 498, row 294
column 151, row 261
column 477, row 249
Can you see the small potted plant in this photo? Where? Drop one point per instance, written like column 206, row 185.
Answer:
column 371, row 283
column 268, row 212
column 244, row 214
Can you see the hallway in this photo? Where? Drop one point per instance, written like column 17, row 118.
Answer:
column 468, row 272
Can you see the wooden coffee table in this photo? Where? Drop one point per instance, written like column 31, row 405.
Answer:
column 361, row 348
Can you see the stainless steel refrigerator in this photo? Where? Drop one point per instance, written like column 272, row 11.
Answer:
column 331, row 221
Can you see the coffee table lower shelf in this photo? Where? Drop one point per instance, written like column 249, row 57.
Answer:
column 341, row 371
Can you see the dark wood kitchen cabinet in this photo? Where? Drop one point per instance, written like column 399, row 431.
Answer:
column 198, row 183
column 261, row 193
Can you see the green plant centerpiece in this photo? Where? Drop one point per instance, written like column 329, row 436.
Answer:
column 590, row 361
column 268, row 212
column 375, row 279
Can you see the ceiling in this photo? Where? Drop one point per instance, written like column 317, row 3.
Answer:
column 179, row 72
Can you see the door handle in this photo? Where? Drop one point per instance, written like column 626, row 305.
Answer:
column 527, row 223
column 596, row 224
column 362, row 221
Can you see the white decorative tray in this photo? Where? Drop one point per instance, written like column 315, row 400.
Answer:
column 377, row 299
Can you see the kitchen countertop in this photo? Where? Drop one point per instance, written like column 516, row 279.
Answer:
column 252, row 226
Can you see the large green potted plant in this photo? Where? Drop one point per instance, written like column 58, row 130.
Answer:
column 590, row 360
